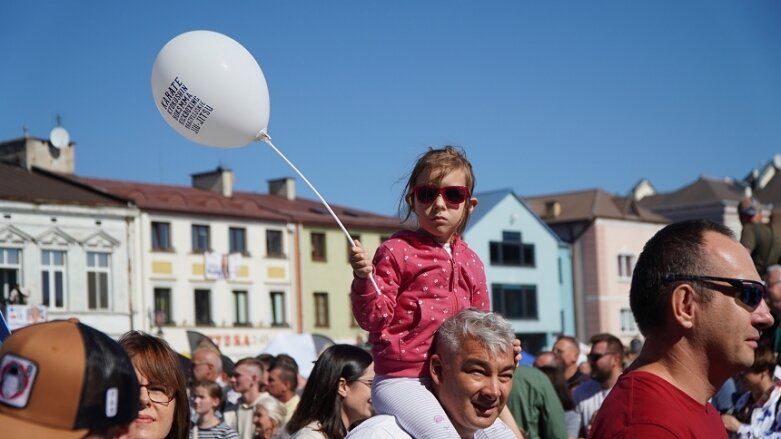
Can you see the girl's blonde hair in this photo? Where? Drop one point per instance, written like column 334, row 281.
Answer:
column 437, row 163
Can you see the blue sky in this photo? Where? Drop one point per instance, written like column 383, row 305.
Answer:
column 544, row 96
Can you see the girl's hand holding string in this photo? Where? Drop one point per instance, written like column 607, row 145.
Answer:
column 359, row 260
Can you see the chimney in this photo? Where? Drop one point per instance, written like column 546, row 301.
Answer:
column 218, row 181
column 283, row 187
column 552, row 209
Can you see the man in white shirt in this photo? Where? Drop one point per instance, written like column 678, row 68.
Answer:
column 472, row 368
column 606, row 360
column 246, row 379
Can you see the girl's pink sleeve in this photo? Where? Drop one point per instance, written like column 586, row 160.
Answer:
column 481, row 297
column 373, row 311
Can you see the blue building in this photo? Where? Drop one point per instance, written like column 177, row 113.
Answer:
column 527, row 266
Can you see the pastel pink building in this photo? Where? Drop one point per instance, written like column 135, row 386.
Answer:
column 607, row 234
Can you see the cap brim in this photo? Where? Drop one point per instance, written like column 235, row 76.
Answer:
column 14, row 427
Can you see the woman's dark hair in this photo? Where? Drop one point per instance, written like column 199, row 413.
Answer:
column 321, row 401
column 764, row 361
column 159, row 364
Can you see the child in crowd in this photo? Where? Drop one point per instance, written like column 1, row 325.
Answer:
column 425, row 276
column 207, row 396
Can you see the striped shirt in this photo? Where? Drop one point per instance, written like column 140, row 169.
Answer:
column 221, row 431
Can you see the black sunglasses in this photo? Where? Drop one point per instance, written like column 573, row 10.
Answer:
column 595, row 356
column 426, row 194
column 750, row 292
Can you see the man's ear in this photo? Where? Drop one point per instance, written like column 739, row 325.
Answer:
column 435, row 368
column 342, row 387
column 683, row 304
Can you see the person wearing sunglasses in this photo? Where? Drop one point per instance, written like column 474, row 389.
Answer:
column 607, row 362
column 697, row 298
column 425, row 276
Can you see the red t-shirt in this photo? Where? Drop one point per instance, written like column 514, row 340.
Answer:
column 643, row 405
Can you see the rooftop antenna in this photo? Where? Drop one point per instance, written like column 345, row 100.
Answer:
column 59, row 136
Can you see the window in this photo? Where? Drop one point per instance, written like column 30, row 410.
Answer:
column 98, row 275
column 318, row 247
column 161, row 236
column 278, row 308
column 350, row 246
column 512, row 251
column 274, row 244
column 241, row 314
column 628, row 324
column 626, row 263
column 515, row 301
column 237, row 237
column 53, row 278
column 200, row 238
column 10, row 267
column 203, row 307
column 162, row 306
column 321, row 310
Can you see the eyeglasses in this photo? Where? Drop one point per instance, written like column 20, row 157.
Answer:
column 427, row 194
column 366, row 382
column 595, row 356
column 750, row 292
column 159, row 393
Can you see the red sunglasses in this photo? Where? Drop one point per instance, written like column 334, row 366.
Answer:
column 451, row 194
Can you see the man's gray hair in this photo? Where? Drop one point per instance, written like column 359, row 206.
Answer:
column 491, row 330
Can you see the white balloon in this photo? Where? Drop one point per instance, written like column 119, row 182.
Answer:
column 210, row 89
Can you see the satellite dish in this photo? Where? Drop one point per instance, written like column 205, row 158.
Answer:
column 59, row 137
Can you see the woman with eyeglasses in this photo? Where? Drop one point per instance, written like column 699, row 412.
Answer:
column 337, row 394
column 163, row 411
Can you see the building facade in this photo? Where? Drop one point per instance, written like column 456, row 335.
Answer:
column 607, row 234
column 526, row 266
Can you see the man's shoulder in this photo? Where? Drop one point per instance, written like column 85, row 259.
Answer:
column 586, row 390
column 643, row 400
column 379, row 426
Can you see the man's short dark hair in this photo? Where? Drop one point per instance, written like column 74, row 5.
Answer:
column 614, row 345
column 677, row 248
column 286, row 360
column 287, row 375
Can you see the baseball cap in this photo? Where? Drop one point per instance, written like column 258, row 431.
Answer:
column 62, row 379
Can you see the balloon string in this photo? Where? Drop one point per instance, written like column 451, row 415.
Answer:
column 267, row 140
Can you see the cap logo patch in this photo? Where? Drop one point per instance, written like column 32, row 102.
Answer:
column 17, row 376
column 112, row 402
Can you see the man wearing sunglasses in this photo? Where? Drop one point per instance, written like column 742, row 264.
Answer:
column 697, row 298
column 606, row 360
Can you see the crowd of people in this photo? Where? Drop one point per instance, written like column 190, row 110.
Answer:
column 441, row 364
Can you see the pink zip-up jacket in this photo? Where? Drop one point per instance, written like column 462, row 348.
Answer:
column 421, row 287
